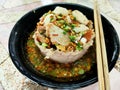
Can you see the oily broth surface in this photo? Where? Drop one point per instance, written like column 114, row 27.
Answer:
column 59, row 71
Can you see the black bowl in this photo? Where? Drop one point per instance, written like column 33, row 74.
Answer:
column 27, row 24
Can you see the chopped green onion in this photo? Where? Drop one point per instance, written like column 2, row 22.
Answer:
column 61, row 21
column 67, row 28
column 64, row 32
column 72, row 38
column 74, row 18
column 51, row 19
column 59, row 17
column 79, row 46
column 81, row 71
column 72, row 26
column 63, row 26
column 44, row 44
column 73, row 71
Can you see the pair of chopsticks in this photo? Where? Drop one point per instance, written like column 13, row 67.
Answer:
column 102, row 65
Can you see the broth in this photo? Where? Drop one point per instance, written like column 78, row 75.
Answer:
column 59, row 70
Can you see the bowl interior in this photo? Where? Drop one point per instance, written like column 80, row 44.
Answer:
column 27, row 24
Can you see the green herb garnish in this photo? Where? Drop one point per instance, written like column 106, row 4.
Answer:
column 61, row 21
column 64, row 32
column 72, row 38
column 79, row 46
column 51, row 19
column 44, row 44
column 74, row 18
column 59, row 17
column 73, row 26
column 81, row 71
column 67, row 28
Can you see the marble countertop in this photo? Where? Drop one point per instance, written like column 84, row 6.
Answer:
column 13, row 10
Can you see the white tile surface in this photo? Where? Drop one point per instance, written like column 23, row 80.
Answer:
column 3, row 54
column 14, row 3
column 8, row 19
column 115, row 4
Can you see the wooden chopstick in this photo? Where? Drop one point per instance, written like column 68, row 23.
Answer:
column 102, row 65
column 98, row 51
column 104, row 54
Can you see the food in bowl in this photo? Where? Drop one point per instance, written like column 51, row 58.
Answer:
column 64, row 35
column 62, row 45
column 28, row 59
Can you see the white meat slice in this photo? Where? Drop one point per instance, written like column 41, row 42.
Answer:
column 80, row 17
column 48, row 18
column 80, row 28
column 39, row 37
column 68, row 19
column 56, row 34
column 63, row 57
column 61, row 10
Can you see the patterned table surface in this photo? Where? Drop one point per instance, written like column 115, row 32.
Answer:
column 12, row 10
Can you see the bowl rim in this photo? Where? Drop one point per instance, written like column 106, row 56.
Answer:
column 47, row 83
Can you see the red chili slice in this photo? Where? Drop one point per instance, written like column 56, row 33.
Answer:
column 88, row 35
column 55, row 34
